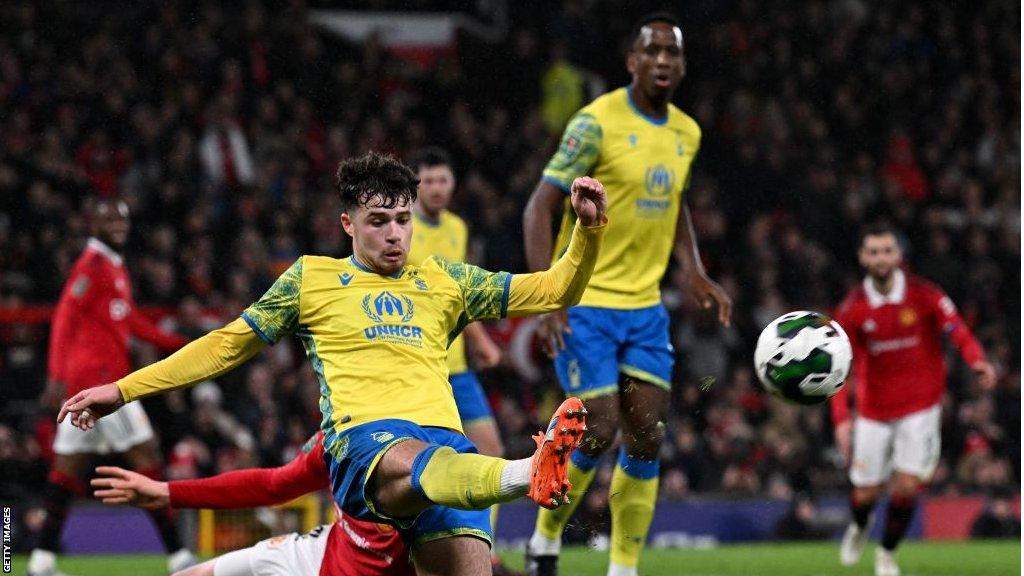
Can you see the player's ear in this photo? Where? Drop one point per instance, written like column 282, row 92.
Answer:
column 631, row 62
column 346, row 223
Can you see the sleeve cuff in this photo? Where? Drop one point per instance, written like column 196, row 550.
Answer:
column 255, row 328
column 556, row 183
column 505, row 293
column 122, row 386
column 596, row 227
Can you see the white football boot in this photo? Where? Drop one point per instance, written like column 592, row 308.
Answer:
column 854, row 540
column 885, row 563
column 180, row 560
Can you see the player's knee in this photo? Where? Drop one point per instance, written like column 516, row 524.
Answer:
column 644, row 442
column 906, row 485
column 597, row 440
column 866, row 494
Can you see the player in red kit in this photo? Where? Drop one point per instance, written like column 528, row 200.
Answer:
column 89, row 339
column 896, row 323
column 349, row 547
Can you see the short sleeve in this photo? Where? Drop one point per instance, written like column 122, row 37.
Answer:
column 276, row 313
column 577, row 152
column 484, row 293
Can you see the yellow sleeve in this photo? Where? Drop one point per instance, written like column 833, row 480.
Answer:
column 202, row 359
column 562, row 285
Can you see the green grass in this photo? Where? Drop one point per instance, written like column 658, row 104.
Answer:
column 981, row 558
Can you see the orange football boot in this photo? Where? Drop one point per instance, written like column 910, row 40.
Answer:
column 549, row 476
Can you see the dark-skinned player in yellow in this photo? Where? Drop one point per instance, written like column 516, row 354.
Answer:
column 376, row 331
column 613, row 349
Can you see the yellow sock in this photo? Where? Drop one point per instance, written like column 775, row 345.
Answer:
column 466, row 481
column 631, row 497
column 551, row 523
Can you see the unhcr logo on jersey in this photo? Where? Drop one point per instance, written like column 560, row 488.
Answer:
column 659, row 182
column 391, row 315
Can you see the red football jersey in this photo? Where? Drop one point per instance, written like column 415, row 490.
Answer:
column 898, row 362
column 93, row 321
column 354, row 547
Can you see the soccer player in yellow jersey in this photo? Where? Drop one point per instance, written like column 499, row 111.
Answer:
column 613, row 349
column 376, row 331
column 439, row 232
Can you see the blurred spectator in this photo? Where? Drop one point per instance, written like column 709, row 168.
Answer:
column 998, row 519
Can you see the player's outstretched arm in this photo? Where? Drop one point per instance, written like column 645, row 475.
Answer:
column 208, row 357
column 250, row 488
column 563, row 284
column 117, row 486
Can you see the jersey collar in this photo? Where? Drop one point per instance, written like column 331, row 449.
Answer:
column 97, row 245
column 895, row 296
column 423, row 219
column 633, row 106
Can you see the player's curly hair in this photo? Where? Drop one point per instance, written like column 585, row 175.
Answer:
column 376, row 178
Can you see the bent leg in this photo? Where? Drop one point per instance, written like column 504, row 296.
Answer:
column 454, row 556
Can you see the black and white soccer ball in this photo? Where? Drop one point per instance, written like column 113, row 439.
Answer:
column 803, row 357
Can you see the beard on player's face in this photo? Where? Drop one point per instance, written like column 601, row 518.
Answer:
column 882, row 273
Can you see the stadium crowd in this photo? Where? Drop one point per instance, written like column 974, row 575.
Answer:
column 221, row 129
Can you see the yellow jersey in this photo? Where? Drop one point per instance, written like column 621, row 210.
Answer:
column 644, row 165
column 378, row 344
column 449, row 239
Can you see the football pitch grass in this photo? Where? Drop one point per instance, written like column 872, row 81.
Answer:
column 978, row 558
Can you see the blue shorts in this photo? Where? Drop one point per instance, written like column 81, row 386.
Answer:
column 606, row 342
column 351, row 457
column 470, row 398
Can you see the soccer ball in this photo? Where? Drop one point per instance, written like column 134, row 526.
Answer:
column 803, row 357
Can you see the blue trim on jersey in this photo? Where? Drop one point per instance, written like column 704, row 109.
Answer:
column 360, row 266
column 584, row 461
column 556, row 183
column 419, row 464
column 637, row 468
column 425, row 220
column 255, row 328
column 632, row 104
column 504, row 294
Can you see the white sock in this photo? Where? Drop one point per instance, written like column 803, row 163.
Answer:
column 515, row 478
column 42, row 561
column 620, row 570
column 543, row 546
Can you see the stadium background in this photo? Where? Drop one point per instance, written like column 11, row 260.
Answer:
column 817, row 118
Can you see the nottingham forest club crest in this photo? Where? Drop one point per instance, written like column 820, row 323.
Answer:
column 391, row 316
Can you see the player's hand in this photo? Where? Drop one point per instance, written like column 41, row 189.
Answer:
column 52, row 395
column 486, row 354
column 588, row 200
column 844, row 439
column 119, row 486
column 707, row 292
column 91, row 404
column 552, row 330
column 986, row 374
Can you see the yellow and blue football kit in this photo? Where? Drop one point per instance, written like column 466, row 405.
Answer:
column 620, row 325
column 378, row 345
column 448, row 237
column 644, row 165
